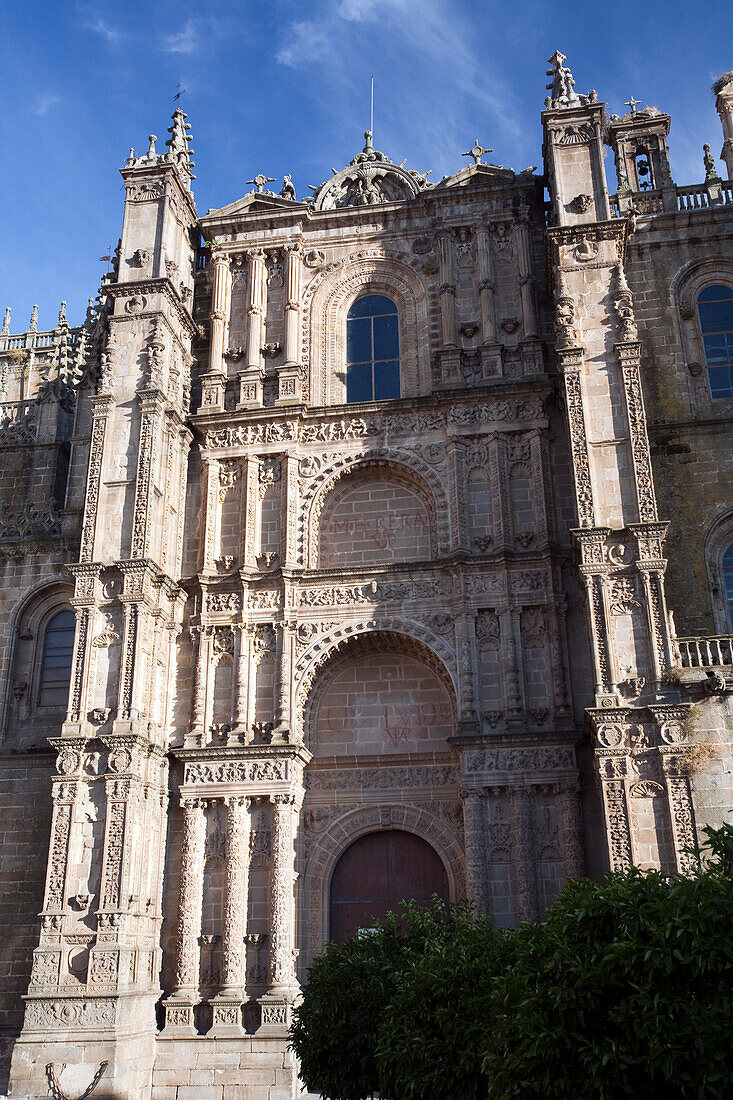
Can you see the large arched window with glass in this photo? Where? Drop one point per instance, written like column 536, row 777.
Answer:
column 728, row 579
column 715, row 310
column 372, row 350
column 58, row 649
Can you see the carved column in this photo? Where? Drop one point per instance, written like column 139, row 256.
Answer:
column 282, row 983
column 486, row 285
column 241, row 672
column 571, row 361
column 251, row 506
column 524, row 857
column 474, row 829
column 143, row 515
column 179, row 1007
column 291, row 494
column 256, row 309
column 524, row 262
column 292, row 305
column 571, row 828
column 221, row 296
column 227, row 1004
column 287, row 641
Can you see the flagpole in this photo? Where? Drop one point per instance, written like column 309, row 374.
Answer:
column 371, row 112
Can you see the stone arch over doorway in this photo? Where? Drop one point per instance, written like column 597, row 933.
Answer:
column 376, row 873
column 343, row 828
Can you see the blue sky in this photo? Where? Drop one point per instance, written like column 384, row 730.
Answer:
column 283, row 86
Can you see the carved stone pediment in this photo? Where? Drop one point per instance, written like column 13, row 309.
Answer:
column 369, row 180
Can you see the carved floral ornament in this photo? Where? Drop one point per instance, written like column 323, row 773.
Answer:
column 370, row 179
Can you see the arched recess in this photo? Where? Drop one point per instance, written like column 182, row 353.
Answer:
column 718, row 541
column 686, row 286
column 344, row 828
column 376, row 514
column 323, row 658
column 20, row 667
column 327, row 300
column 403, row 465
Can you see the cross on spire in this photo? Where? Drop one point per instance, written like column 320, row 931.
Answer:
column 631, row 102
column 477, row 152
column 259, row 181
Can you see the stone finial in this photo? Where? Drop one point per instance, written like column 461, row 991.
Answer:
column 151, row 147
column 179, row 150
column 91, row 314
column 561, row 89
column 632, row 104
column 708, row 160
column 62, row 314
column 6, row 322
column 33, row 326
column 477, row 152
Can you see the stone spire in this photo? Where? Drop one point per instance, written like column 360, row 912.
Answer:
column 562, row 88
column 178, row 143
column 6, row 322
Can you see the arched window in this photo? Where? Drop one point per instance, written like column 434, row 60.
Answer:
column 715, row 309
column 58, row 648
column 372, row 350
column 728, row 579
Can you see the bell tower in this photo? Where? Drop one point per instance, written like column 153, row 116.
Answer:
column 95, row 977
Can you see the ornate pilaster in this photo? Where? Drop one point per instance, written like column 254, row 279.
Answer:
column 571, row 829
column 179, row 1007
column 474, row 830
column 523, row 852
column 486, row 286
column 526, row 285
column 613, row 769
column 102, row 406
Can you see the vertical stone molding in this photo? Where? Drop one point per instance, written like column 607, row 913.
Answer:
column 282, row 882
column 523, row 853
column 242, row 658
column 294, row 254
column 256, row 308
column 474, row 830
column 628, row 355
column 213, row 513
column 235, row 895
column 287, row 635
column 221, row 295
column 447, row 289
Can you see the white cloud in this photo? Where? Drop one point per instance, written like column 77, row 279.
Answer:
column 102, row 28
column 184, row 41
column 45, row 103
column 305, row 43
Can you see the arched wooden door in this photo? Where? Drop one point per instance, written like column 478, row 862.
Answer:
column 376, row 873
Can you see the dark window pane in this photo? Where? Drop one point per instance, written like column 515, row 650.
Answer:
column 58, row 648
column 387, row 380
column 715, row 293
column 359, row 382
column 386, row 338
column 716, row 316
column 359, row 340
column 719, row 348
column 721, row 381
column 372, row 305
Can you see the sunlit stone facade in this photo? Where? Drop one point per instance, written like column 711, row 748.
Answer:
column 365, row 514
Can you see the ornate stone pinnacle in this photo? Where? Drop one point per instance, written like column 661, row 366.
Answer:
column 178, row 143
column 6, row 321
column 259, row 181
column 561, row 89
column 477, row 152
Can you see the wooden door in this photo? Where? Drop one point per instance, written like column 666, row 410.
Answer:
column 376, row 873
